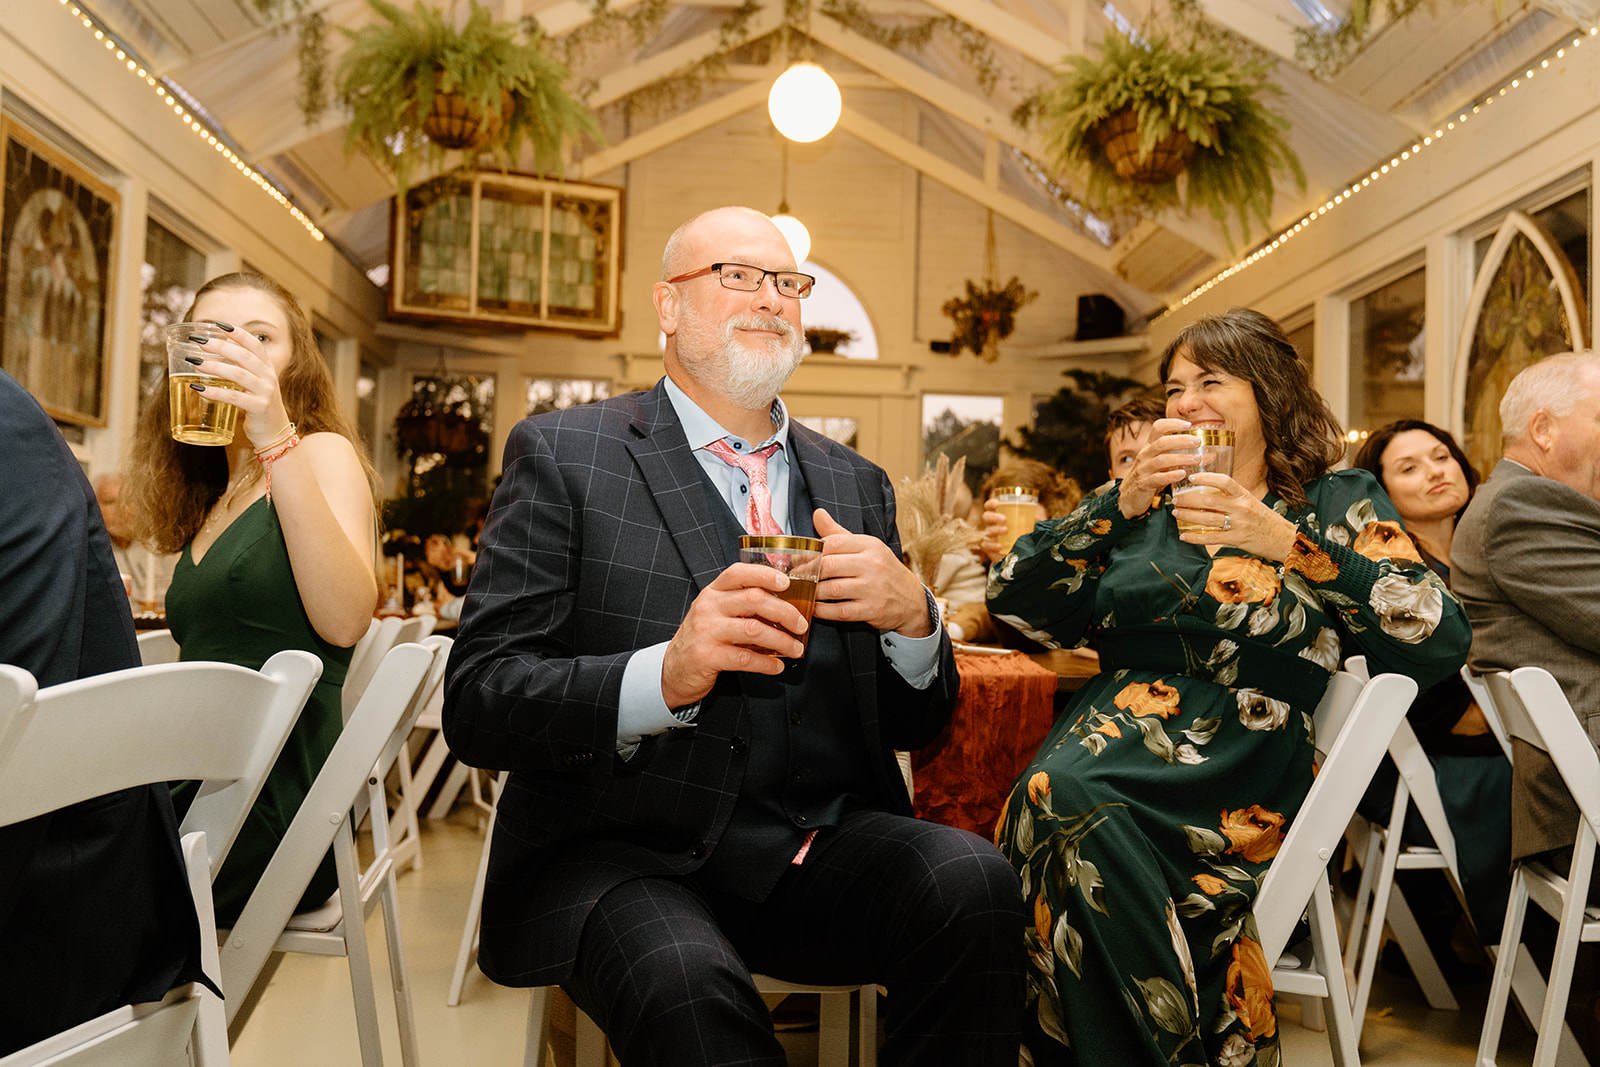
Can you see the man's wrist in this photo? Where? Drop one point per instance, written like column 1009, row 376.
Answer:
column 925, row 621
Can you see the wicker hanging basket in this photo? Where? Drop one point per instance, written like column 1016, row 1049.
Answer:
column 456, row 123
column 1118, row 137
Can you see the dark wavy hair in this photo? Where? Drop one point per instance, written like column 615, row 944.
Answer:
column 174, row 485
column 1303, row 440
column 1370, row 457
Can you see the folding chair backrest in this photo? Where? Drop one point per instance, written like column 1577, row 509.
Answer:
column 1479, row 689
column 217, row 722
column 1353, row 725
column 157, row 646
column 1536, row 710
column 432, row 686
column 389, row 698
column 415, row 628
column 382, row 635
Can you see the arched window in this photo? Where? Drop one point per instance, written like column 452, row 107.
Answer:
column 832, row 305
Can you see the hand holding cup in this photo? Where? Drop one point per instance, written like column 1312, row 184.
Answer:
column 1167, row 460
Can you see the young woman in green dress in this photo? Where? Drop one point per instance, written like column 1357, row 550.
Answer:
column 276, row 534
column 1145, row 823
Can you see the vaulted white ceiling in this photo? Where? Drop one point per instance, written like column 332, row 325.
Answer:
column 242, row 70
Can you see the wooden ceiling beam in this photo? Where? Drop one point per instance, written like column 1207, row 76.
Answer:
column 665, row 63
column 676, row 128
column 1002, row 27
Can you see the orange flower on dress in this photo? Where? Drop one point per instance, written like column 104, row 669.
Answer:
column 1209, row 884
column 1249, row 989
column 1041, row 917
column 1307, row 557
column 1386, row 540
column 1038, row 786
column 1242, row 580
column 1109, row 728
column 1100, row 527
column 1153, row 698
column 1253, row 833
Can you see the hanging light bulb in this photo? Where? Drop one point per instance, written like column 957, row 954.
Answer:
column 804, row 103
column 794, row 231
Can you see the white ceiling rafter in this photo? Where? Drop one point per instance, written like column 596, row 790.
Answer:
column 670, row 61
column 684, row 124
column 1002, row 27
column 1037, row 222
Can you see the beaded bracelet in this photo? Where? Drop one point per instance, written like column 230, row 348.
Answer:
column 271, row 454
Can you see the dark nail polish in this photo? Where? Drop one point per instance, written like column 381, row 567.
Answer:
column 196, row 360
column 222, row 326
column 197, row 387
column 197, row 339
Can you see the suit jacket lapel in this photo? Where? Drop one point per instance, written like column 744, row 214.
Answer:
column 677, row 485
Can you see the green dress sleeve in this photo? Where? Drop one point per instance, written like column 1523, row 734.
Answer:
column 1045, row 586
column 1353, row 553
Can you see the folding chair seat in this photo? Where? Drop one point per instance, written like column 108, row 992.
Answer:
column 216, row 722
column 1353, row 725
column 1535, row 710
column 267, row 924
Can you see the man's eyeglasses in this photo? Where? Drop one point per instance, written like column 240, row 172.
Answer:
column 748, row 279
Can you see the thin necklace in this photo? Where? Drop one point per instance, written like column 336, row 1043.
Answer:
column 234, row 487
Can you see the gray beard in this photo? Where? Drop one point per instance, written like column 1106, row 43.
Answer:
column 749, row 379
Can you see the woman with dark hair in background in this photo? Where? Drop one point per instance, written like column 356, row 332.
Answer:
column 1145, row 823
column 1430, row 480
column 277, row 533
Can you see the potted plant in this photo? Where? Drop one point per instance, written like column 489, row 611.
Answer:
column 1150, row 111
column 825, row 341
column 418, row 88
column 986, row 316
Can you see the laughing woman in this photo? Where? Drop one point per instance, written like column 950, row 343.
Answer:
column 1143, row 826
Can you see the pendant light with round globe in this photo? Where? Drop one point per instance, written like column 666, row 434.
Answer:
column 804, row 103
column 795, row 232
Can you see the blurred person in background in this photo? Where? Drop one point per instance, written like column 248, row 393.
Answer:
column 1128, row 429
column 1430, row 481
column 277, row 535
column 147, row 573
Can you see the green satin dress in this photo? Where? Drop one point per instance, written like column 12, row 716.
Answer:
column 239, row 605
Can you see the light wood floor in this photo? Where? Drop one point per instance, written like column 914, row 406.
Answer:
column 305, row 1016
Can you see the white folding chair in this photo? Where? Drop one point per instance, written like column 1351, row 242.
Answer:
column 267, row 924
column 1535, row 710
column 157, row 646
column 1485, row 700
column 216, row 722
column 1381, row 851
column 369, row 652
column 1353, row 725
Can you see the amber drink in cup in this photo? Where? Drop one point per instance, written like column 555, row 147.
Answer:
column 1216, row 457
column 798, row 557
column 194, row 418
column 1020, row 505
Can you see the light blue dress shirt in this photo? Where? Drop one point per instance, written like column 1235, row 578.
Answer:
column 641, row 708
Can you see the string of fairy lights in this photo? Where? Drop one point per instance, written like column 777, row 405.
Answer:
column 185, row 114
column 1382, row 170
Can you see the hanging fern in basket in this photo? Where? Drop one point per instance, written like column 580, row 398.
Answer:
column 1196, row 89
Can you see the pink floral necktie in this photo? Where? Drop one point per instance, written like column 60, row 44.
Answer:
column 758, row 516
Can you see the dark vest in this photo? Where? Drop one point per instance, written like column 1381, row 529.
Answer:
column 808, row 762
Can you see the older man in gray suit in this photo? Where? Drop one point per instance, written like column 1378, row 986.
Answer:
column 1527, row 569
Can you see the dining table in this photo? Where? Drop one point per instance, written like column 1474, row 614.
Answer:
column 1007, row 705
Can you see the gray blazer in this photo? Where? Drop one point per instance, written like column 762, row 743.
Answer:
column 1526, row 565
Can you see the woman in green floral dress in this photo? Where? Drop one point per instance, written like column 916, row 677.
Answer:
column 1143, row 827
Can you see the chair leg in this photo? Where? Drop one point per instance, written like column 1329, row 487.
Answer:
column 1419, row 957
column 833, row 1031
column 1568, row 934
column 1369, row 845
column 535, row 1051
column 591, row 1043
column 1342, row 1036
column 355, row 941
column 468, row 949
column 868, row 1037
column 1528, row 990
column 404, row 828
column 1382, row 889
column 389, row 902
column 1505, row 961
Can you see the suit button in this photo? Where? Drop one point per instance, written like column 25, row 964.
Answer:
column 794, row 717
column 739, row 744
column 697, row 851
column 800, row 820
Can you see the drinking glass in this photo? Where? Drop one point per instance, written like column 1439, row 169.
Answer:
column 194, row 419
column 798, row 557
column 1020, row 505
column 1216, row 457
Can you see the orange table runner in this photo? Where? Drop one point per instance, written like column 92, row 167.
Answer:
column 963, row 777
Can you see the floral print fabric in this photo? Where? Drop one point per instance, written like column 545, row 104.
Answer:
column 1145, row 824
